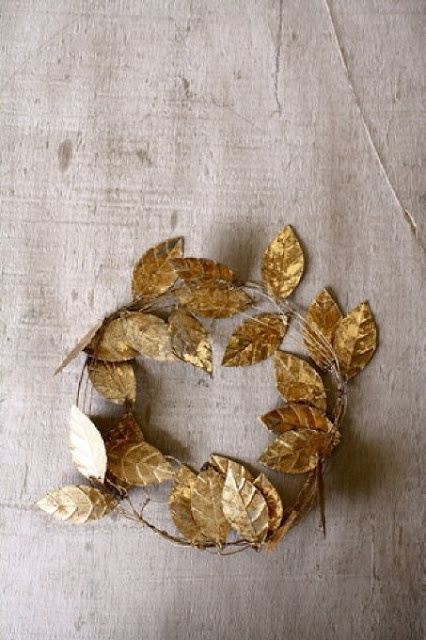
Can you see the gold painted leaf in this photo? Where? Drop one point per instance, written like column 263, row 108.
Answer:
column 222, row 466
column 87, row 446
column 273, row 500
column 190, row 340
column 283, row 263
column 79, row 347
column 180, row 506
column 254, row 340
column 297, row 381
column 111, row 342
column 206, row 506
column 245, row 508
column 154, row 272
column 355, row 340
column 127, row 431
column 193, row 269
column 320, row 324
column 297, row 451
column 295, row 416
column 213, row 300
column 114, row 381
column 77, row 504
column 139, row 464
column 149, row 335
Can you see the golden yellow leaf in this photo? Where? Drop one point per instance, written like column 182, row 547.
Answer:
column 154, row 272
column 283, row 263
column 273, row 500
column 149, row 335
column 245, row 508
column 222, row 466
column 180, row 506
column 114, row 381
column 190, row 340
column 297, row 381
column 193, row 269
column 111, row 342
column 213, row 300
column 355, row 340
column 79, row 347
column 255, row 340
column 87, row 446
column 77, row 504
column 206, row 506
column 295, row 416
column 139, row 464
column 297, row 451
column 320, row 324
column 127, row 431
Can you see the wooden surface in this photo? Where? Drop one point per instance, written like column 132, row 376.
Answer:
column 127, row 122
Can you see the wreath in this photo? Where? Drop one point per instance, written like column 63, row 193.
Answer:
column 223, row 507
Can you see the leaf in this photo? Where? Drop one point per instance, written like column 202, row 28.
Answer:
column 139, row 464
column 180, row 506
column 285, row 527
column 149, row 335
column 355, row 340
column 190, row 340
column 295, row 416
column 87, row 446
column 255, row 340
column 127, row 431
column 111, row 342
column 283, row 263
column 245, row 508
column 222, row 466
column 77, row 504
column 273, row 500
column 206, row 506
column 320, row 324
column 297, row 451
column 154, row 272
column 114, row 381
column 213, row 300
column 193, row 269
column 79, row 347
column 297, row 381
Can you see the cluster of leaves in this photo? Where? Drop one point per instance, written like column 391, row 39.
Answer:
column 169, row 292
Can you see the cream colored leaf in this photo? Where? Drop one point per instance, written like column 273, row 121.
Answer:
column 194, row 269
column 255, row 339
column 295, row 416
column 180, row 506
column 79, row 347
column 222, row 466
column 206, row 506
column 273, row 500
column 87, row 446
column 154, row 272
column 139, row 464
column 297, row 381
column 190, row 340
column 245, row 508
column 149, row 335
column 355, row 340
column 114, row 381
column 77, row 504
column 320, row 324
column 283, row 263
column 111, row 342
column 213, row 300
column 297, row 451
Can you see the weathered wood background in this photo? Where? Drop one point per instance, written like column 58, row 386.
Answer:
column 127, row 122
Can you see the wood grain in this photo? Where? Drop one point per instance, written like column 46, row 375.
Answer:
column 125, row 123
